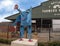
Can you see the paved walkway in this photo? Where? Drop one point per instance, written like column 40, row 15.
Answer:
column 4, row 44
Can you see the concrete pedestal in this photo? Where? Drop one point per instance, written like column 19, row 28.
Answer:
column 25, row 42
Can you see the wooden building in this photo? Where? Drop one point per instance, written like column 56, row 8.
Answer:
column 43, row 14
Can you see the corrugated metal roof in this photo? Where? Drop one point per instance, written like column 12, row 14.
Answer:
column 35, row 14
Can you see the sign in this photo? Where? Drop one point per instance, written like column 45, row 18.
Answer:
column 33, row 21
column 53, row 8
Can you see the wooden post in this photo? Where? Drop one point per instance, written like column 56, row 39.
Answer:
column 49, row 32
column 8, row 32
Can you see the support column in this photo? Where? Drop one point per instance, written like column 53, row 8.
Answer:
column 41, row 24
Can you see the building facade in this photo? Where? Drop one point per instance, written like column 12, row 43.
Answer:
column 44, row 15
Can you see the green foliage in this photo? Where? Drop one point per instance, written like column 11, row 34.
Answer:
column 54, row 44
column 5, row 41
column 40, row 44
column 49, row 44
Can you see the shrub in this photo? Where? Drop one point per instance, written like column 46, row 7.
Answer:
column 41, row 44
column 54, row 44
column 5, row 41
column 49, row 44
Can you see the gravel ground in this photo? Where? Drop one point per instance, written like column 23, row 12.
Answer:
column 4, row 44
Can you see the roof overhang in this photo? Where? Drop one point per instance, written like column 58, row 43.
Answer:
column 45, row 10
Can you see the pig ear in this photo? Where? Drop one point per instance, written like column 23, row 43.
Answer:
column 16, row 6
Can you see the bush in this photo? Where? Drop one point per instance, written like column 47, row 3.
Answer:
column 5, row 41
column 40, row 44
column 49, row 44
column 54, row 44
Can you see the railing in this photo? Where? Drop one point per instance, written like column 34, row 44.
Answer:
column 52, row 33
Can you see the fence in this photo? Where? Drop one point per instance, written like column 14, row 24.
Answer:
column 6, row 31
column 43, row 34
column 49, row 34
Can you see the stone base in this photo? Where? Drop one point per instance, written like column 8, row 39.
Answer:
column 25, row 42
